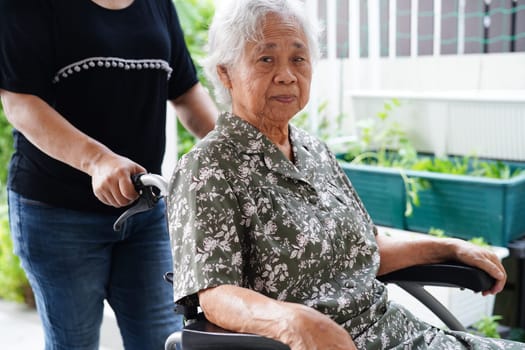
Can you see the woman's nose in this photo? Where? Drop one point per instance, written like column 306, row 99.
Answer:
column 285, row 75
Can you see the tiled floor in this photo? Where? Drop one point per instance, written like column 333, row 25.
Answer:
column 20, row 329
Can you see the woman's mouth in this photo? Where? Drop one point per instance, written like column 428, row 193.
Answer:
column 284, row 98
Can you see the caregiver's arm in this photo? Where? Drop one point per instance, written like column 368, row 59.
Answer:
column 398, row 253
column 245, row 311
column 196, row 110
column 50, row 132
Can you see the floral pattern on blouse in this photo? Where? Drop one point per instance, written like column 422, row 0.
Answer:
column 241, row 213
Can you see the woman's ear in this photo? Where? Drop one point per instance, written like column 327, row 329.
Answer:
column 224, row 76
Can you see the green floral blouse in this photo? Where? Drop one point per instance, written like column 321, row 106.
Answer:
column 241, row 213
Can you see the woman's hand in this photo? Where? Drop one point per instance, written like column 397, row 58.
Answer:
column 400, row 253
column 111, row 179
column 309, row 329
column 482, row 258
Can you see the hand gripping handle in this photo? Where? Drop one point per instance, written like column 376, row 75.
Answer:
column 151, row 188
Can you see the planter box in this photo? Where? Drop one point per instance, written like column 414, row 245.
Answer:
column 382, row 192
column 462, row 206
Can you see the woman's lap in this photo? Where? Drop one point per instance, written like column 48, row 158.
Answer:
column 397, row 328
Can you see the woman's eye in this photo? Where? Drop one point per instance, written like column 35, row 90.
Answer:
column 299, row 59
column 266, row 59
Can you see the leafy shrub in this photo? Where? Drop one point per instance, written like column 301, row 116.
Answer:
column 384, row 142
column 195, row 17
column 488, row 326
column 327, row 128
column 13, row 282
column 6, row 146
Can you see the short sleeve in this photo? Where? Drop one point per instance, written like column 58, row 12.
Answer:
column 184, row 75
column 205, row 224
column 26, row 47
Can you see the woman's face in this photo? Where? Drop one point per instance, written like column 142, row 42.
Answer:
column 271, row 81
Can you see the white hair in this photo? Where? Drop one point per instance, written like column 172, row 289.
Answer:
column 237, row 22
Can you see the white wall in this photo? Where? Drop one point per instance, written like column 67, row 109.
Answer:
column 433, row 73
column 488, row 121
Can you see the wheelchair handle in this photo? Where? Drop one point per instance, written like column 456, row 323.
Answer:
column 153, row 180
column 151, row 188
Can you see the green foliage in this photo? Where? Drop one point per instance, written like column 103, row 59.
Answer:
column 195, row 17
column 436, row 232
column 13, row 282
column 488, row 326
column 377, row 137
column 6, row 146
column 480, row 241
column 323, row 130
column 383, row 142
column 457, row 166
column 466, row 166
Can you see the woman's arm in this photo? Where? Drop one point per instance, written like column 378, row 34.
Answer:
column 45, row 128
column 397, row 254
column 196, row 110
column 246, row 311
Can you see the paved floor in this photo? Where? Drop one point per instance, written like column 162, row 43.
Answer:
column 20, row 329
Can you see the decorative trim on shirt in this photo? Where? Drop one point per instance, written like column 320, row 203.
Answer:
column 111, row 62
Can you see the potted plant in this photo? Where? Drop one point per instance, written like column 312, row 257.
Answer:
column 465, row 196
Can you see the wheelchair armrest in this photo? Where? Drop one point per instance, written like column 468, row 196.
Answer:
column 449, row 274
column 202, row 334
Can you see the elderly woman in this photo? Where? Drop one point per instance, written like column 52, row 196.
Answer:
column 268, row 234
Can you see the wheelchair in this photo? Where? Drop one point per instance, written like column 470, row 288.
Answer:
column 198, row 333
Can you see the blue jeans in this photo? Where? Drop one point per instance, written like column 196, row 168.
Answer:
column 74, row 260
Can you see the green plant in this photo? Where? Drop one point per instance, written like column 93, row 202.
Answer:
column 479, row 241
column 383, row 142
column 195, row 17
column 323, row 129
column 436, row 232
column 13, row 282
column 488, row 326
column 6, row 146
column 378, row 137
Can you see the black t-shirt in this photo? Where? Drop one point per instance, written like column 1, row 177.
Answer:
column 108, row 72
